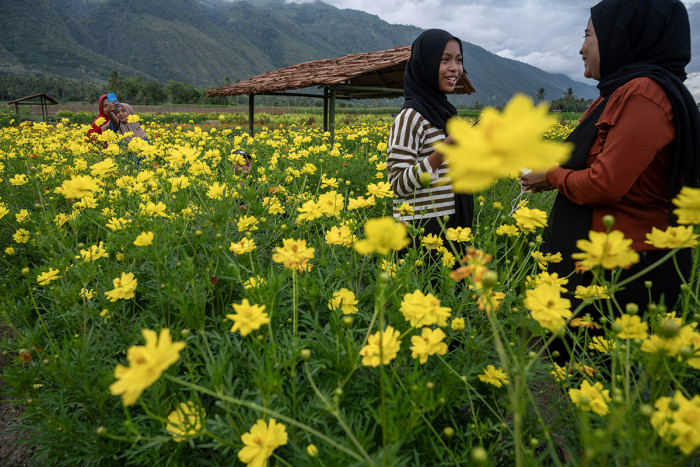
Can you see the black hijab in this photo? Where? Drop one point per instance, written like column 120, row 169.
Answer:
column 421, row 88
column 635, row 38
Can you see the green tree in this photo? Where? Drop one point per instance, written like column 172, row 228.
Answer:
column 114, row 82
column 154, row 92
column 541, row 94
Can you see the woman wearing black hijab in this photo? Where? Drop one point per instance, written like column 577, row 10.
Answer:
column 635, row 147
column 416, row 170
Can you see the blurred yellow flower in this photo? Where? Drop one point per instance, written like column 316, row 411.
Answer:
column 672, row 237
column 260, row 441
column 381, row 347
column 248, row 318
column 424, row 310
column 688, row 205
column 124, row 287
column 430, row 342
column 45, row 278
column 509, row 230
column 344, row 300
column 294, row 254
column 459, row 234
column 144, row 239
column 245, row 245
column 185, row 421
column 254, row 282
column 86, row 294
column 609, row 250
column 458, row 324
column 340, row 236
column 632, row 327
column 146, row 363
column 79, row 186
column 133, row 118
column 494, row 376
column 676, row 421
column 591, row 398
column 501, row 143
column 382, row 235
column 591, row 292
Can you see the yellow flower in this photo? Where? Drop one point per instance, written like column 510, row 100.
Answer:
column 153, row 210
column 86, row 294
column 147, row 362
column 428, row 343
column 602, row 345
column 294, row 254
column 509, row 230
column 459, row 234
column 547, row 278
column 431, row 242
column 9, row 250
column 331, row 203
column 448, row 259
column 688, row 203
column 3, row 210
column 22, row 215
column 380, row 190
column 247, row 224
column 312, row 450
column 382, row 236
column 361, row 202
column 18, row 180
column 406, row 209
column 245, row 245
column 672, row 237
column 591, row 398
column 253, row 282
column 500, row 144
column 144, row 239
column 216, row 191
column 542, row 259
column 340, row 236
column 344, row 300
column 248, row 318
column 124, row 287
column 591, row 292
column 547, row 307
column 79, row 186
column 133, row 118
column 103, row 167
column 609, row 250
column 632, row 327
column 115, row 223
column 530, row 219
column 94, row 252
column 45, row 278
column 381, row 347
column 185, row 421
column 458, row 324
column 423, row 310
column 260, row 441
column 677, row 421
column 494, row 376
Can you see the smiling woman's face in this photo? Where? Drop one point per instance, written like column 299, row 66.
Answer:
column 121, row 114
column 590, row 53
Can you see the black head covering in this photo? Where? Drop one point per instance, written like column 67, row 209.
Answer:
column 421, row 88
column 652, row 38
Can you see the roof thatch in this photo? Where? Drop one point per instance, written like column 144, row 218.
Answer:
column 374, row 71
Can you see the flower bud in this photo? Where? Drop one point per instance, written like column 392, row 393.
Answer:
column 312, row 450
column 646, row 410
column 489, row 279
column 449, row 431
column 425, row 179
column 198, row 233
column 631, row 308
column 348, row 320
column 25, row 356
column 305, row 354
column 668, row 329
column 479, row 455
column 608, row 220
column 185, row 332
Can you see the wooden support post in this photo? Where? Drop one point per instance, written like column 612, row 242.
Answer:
column 325, row 109
column 251, row 113
column 331, row 117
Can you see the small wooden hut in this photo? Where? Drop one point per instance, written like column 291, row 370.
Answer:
column 41, row 99
column 368, row 75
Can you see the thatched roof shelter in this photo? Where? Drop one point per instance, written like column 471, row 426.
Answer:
column 367, row 75
column 41, row 99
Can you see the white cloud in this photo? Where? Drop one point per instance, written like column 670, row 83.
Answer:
column 693, row 84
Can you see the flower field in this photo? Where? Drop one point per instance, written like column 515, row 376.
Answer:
column 166, row 310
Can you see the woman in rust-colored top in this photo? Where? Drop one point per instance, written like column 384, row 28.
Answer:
column 635, row 147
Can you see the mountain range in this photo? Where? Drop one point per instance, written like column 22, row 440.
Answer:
column 206, row 42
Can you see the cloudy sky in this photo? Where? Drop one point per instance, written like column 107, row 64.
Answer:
column 544, row 33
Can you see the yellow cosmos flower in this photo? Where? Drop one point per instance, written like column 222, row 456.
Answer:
column 254, row 282
column 546, row 278
column 380, row 190
column 331, row 204
column 427, row 344
column 94, row 252
column 144, row 239
column 340, row 236
column 596, row 292
column 676, row 421
column 382, row 236
column 459, row 234
column 381, row 347
column 508, row 230
column 530, row 219
column 22, row 215
column 344, row 300
column 21, row 236
column 261, row 441
column 9, row 250
column 146, row 364
column 124, row 287
column 248, row 318
column 294, row 254
column 360, row 202
column 45, row 278
column 424, row 310
column 103, row 167
column 547, row 307
column 3, row 210
column 672, row 237
column 458, row 324
column 247, row 224
column 86, row 294
column 406, row 209
column 79, row 186
column 609, row 250
column 602, row 345
column 632, row 327
column 591, row 398
column 216, row 191
column 153, row 209
column 688, row 204
column 18, row 180
column 245, row 245
column 431, row 242
column 133, row 118
column 185, row 421
column 494, row 376
column 500, row 144
column 119, row 223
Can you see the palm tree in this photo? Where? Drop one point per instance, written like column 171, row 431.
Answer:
column 541, row 94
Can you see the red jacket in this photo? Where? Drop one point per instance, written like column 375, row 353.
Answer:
column 96, row 129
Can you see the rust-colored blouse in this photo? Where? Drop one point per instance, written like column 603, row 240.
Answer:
column 627, row 167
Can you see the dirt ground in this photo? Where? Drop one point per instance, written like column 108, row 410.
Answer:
column 12, row 453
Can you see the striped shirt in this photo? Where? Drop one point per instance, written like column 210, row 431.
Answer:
column 411, row 139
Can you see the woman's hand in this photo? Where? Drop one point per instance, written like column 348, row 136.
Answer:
column 111, row 110
column 534, row 182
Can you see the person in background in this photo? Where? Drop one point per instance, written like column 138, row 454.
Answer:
column 415, row 166
column 105, row 116
column 123, row 126
column 636, row 145
column 242, row 165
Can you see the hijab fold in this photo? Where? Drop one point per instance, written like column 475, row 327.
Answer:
column 94, row 127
